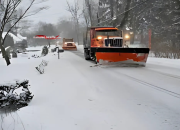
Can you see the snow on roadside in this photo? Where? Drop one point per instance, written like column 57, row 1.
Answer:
column 23, row 68
column 68, row 98
column 80, row 48
column 164, row 62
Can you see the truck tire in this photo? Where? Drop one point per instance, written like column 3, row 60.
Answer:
column 95, row 59
column 86, row 54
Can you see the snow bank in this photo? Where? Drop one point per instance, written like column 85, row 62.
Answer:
column 80, row 48
column 15, row 38
column 164, row 62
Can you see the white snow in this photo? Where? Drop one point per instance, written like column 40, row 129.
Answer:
column 175, row 63
column 15, row 38
column 21, row 37
column 71, row 95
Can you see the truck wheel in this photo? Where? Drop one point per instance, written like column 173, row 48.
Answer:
column 86, row 54
column 95, row 59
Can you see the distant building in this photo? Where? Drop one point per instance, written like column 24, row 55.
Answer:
column 20, row 42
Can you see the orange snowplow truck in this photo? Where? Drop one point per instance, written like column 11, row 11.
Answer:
column 106, row 44
column 68, row 44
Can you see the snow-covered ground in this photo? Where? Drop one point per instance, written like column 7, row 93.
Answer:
column 73, row 95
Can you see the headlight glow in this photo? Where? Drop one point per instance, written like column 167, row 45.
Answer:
column 99, row 38
column 126, row 36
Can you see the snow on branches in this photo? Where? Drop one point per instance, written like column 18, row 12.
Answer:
column 9, row 99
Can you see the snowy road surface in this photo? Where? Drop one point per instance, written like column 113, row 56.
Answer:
column 72, row 95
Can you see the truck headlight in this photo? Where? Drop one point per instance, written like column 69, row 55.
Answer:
column 127, row 36
column 99, row 38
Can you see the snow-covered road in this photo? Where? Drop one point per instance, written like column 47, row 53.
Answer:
column 73, row 94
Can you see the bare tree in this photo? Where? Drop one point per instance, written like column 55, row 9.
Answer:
column 91, row 8
column 76, row 14
column 88, row 6
column 10, row 15
column 24, row 25
column 86, row 17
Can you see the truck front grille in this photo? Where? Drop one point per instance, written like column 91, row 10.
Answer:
column 113, row 42
column 69, row 44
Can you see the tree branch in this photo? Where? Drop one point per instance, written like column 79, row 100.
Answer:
column 18, row 21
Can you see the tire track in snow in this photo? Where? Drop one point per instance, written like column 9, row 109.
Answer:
column 177, row 95
column 169, row 75
column 174, row 94
column 78, row 53
column 81, row 55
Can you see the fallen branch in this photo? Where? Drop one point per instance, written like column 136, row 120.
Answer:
column 41, row 66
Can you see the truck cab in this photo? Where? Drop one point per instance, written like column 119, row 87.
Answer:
column 103, row 37
column 106, row 43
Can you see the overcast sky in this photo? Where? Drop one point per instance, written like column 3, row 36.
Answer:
column 57, row 9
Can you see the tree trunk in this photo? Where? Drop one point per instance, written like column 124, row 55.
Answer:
column 112, row 11
column 89, row 11
column 98, row 20
column 4, row 54
column 125, row 18
column 132, row 37
column 77, row 31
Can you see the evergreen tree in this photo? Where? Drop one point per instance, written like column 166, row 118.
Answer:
column 9, row 41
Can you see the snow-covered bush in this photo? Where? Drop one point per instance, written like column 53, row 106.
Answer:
column 45, row 51
column 35, row 56
column 10, row 100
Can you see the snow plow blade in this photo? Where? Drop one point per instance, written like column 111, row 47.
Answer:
column 122, row 55
column 70, row 48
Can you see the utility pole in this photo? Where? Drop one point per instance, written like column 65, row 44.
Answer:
column 98, row 18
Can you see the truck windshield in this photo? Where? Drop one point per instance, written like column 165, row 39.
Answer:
column 105, row 33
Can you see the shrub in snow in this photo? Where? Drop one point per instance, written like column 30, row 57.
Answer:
column 44, row 51
column 35, row 56
column 10, row 100
column 14, row 54
column 9, row 41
